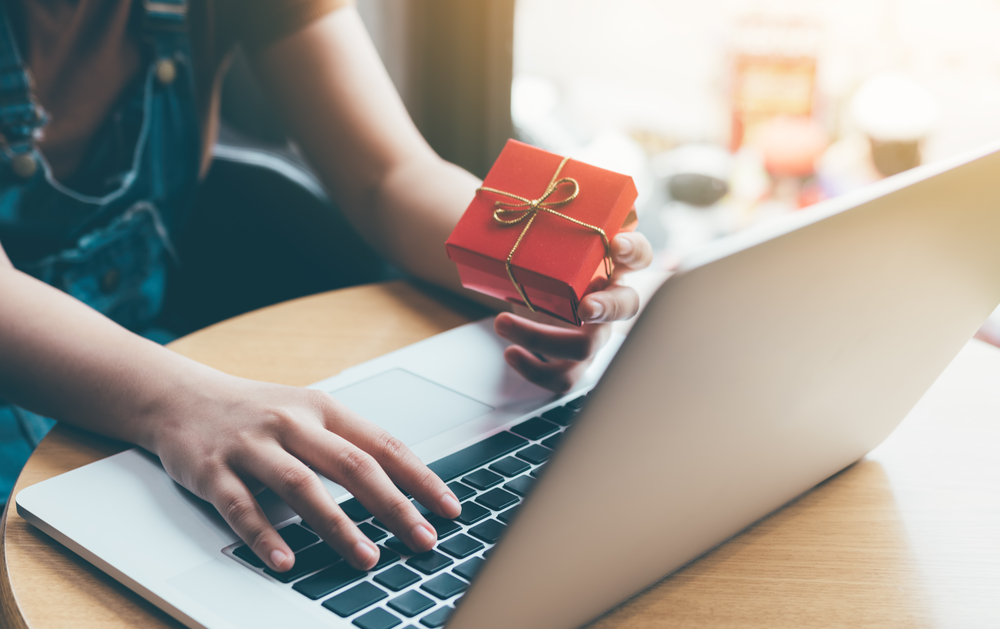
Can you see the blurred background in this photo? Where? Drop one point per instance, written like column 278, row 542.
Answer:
column 727, row 113
column 730, row 112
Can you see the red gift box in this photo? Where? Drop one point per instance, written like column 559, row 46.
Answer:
column 537, row 231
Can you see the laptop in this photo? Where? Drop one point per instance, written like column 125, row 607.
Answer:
column 769, row 362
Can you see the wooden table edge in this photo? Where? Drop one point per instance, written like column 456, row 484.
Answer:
column 10, row 611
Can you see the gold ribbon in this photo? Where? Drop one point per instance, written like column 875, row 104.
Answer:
column 528, row 209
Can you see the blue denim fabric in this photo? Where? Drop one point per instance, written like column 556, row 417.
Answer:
column 110, row 245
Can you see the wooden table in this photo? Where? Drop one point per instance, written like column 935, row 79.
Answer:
column 907, row 537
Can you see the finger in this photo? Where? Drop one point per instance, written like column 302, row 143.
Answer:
column 550, row 341
column 615, row 303
column 402, row 466
column 303, row 491
column 558, row 376
column 240, row 510
column 631, row 251
column 348, row 465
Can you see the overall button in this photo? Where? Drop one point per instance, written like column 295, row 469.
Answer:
column 110, row 281
column 24, row 165
column 166, row 71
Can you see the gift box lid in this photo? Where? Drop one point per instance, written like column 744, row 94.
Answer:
column 554, row 251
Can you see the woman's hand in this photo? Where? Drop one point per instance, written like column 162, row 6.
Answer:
column 553, row 354
column 228, row 438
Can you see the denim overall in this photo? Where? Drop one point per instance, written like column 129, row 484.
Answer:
column 107, row 239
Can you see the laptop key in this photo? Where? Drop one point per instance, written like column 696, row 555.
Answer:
column 508, row 515
column 443, row 526
column 396, row 544
column 461, row 490
column 478, row 454
column 534, row 454
column 444, row 586
column 535, row 473
column 397, row 578
column 438, row 617
column 472, row 513
column 297, row 537
column 411, row 603
column 385, row 558
column 497, row 499
column 355, row 599
column 377, row 618
column 467, row 569
column 421, row 509
column 461, row 546
column 244, row 553
column 371, row 532
column 483, row 479
column 553, row 442
column 509, row 467
column 562, row 415
column 520, row 485
column 488, row 531
column 328, row 580
column 429, row 562
column 534, row 429
column 309, row 560
column 355, row 510
column 577, row 403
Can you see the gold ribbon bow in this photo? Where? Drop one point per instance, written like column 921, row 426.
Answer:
column 528, row 209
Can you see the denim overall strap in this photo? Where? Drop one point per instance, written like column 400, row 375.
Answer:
column 165, row 26
column 21, row 117
column 110, row 249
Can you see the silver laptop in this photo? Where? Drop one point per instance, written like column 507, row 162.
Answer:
column 767, row 364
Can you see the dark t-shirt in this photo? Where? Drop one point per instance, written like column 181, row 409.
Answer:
column 83, row 53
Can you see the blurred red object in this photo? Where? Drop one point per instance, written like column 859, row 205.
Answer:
column 791, row 145
column 810, row 194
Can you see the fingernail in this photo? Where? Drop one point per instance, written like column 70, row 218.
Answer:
column 502, row 324
column 596, row 310
column 364, row 552
column 624, row 246
column 449, row 504
column 422, row 536
column 277, row 558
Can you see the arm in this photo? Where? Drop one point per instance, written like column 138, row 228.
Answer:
column 335, row 96
column 216, row 434
column 329, row 83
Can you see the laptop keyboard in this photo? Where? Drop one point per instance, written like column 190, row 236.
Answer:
column 490, row 478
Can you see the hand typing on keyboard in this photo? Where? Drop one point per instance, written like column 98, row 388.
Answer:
column 241, row 436
column 554, row 355
column 490, row 477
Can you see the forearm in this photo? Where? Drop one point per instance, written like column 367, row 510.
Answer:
column 417, row 206
column 329, row 83
column 64, row 360
column 214, row 433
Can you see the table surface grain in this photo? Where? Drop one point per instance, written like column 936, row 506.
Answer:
column 907, row 537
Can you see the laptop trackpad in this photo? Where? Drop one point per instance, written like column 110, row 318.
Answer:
column 412, row 408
